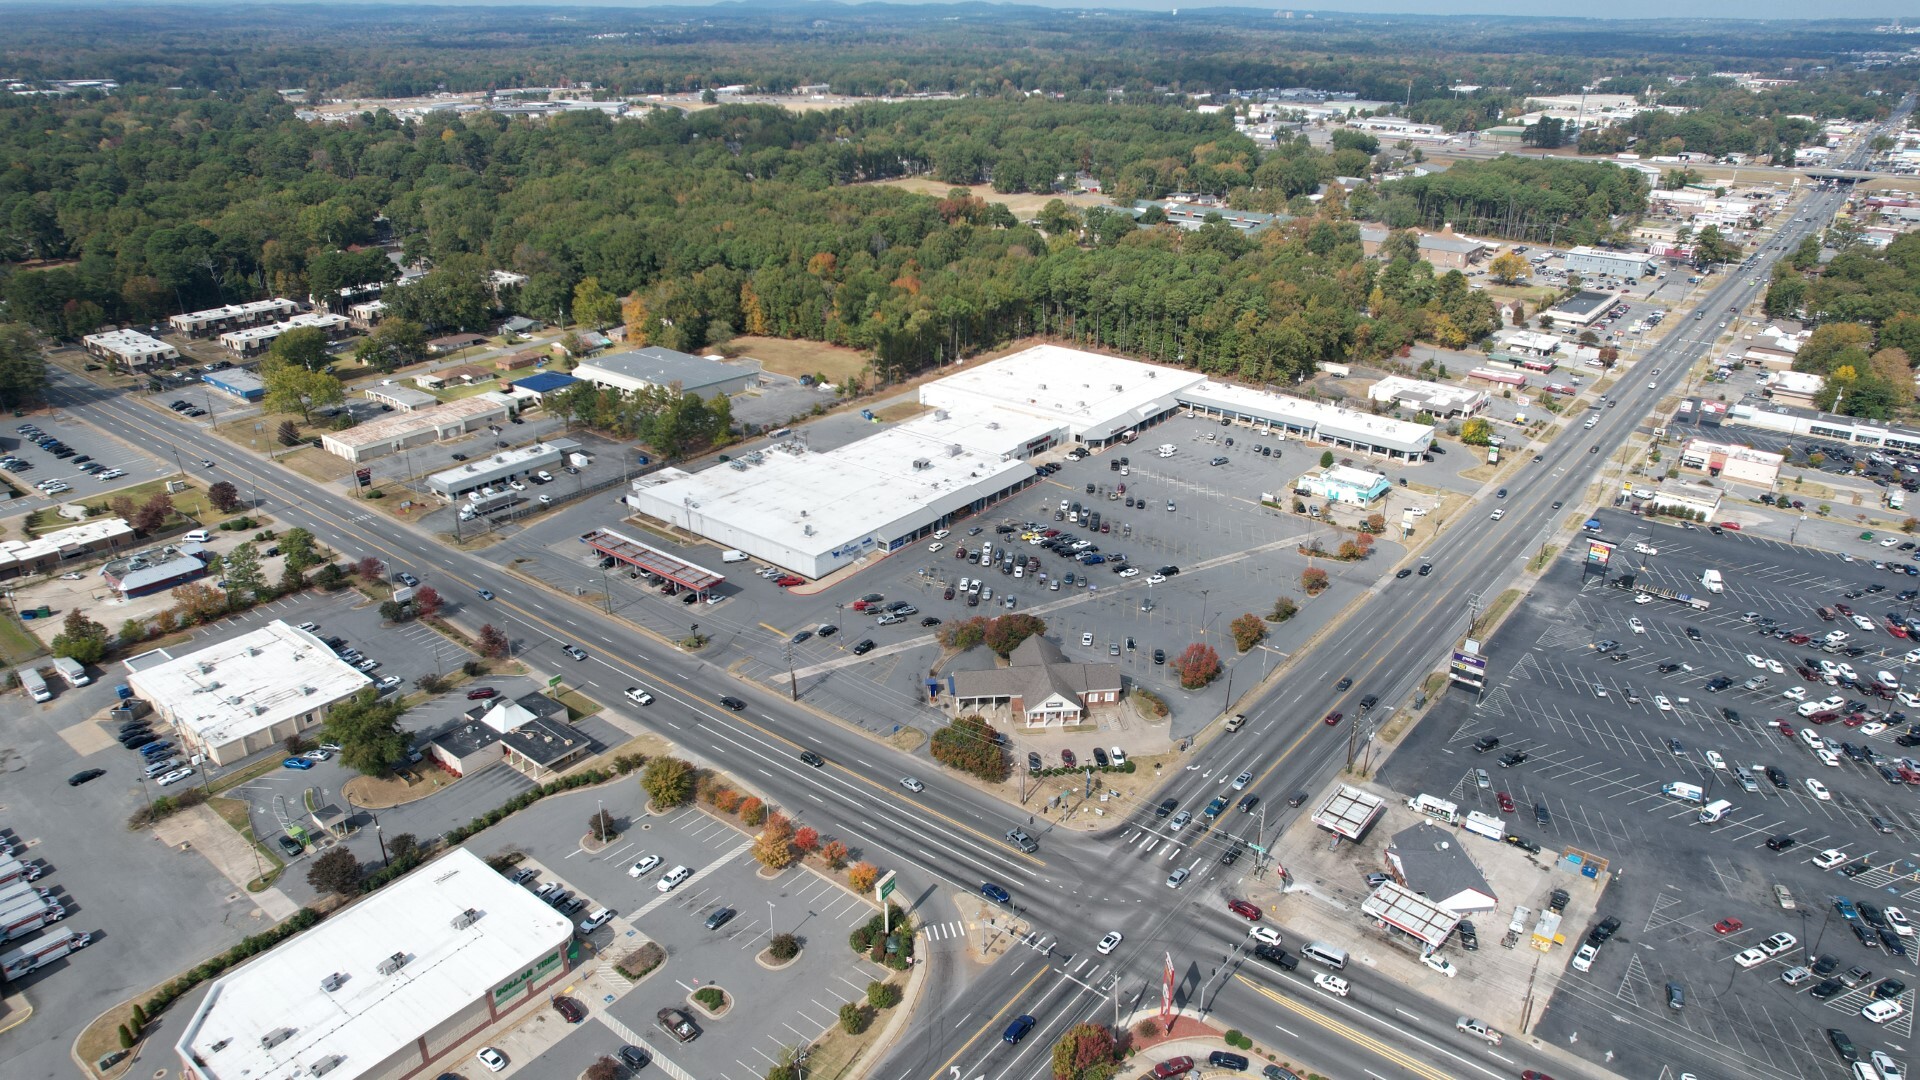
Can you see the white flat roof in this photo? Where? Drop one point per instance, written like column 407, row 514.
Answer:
column 130, row 343
column 227, row 691
column 62, row 540
column 1091, row 395
column 1323, row 419
column 814, row 502
column 372, row 1016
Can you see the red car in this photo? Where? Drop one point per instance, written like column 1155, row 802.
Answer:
column 1798, row 639
column 1785, row 728
column 1727, row 926
column 787, row 581
column 481, row 693
column 1333, row 718
column 1844, row 610
column 1855, row 720
column 1534, row 1074
column 1179, row 1066
column 1244, row 909
column 1734, row 525
column 948, row 595
column 1506, row 802
column 1896, row 630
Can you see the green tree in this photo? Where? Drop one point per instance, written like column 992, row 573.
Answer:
column 395, row 343
column 292, row 388
column 298, row 548
column 367, row 727
column 1508, row 268
column 971, row 745
column 668, row 781
column 23, row 368
column 81, row 639
column 1476, row 432
column 594, row 306
column 1326, row 459
column 1711, row 247
column 245, row 580
column 304, row 347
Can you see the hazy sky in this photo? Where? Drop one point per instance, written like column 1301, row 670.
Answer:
column 1905, row 10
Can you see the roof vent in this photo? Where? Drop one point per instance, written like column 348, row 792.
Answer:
column 333, row 982
column 392, row 963
column 275, row 1037
column 327, row 1064
column 221, row 1045
column 465, row 919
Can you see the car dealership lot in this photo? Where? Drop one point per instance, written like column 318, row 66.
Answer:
column 1600, row 766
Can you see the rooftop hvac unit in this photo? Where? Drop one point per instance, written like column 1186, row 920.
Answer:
column 1117, row 388
column 333, row 982
column 392, row 963
column 258, row 709
column 807, row 530
column 205, row 668
column 1042, row 386
column 275, row 1037
column 955, row 450
column 922, row 463
column 327, row 1064
column 993, row 425
column 233, row 699
column 465, row 919
column 306, row 691
column 939, row 414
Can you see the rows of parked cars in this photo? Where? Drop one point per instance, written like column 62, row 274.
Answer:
column 51, row 444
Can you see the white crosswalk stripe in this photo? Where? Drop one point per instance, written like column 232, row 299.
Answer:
column 629, row 1035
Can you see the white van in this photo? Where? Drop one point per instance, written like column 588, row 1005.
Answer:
column 1714, row 811
column 732, row 555
column 198, row 536
column 1686, row 792
column 674, row 878
column 1322, row 953
column 1881, row 1011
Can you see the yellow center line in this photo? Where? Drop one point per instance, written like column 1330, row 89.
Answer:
column 944, row 1072
column 1350, row 1033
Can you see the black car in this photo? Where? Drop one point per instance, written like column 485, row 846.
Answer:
column 1776, row 777
column 733, row 703
column 1864, row 935
column 1159, row 656
column 1346, row 682
column 1513, row 759
column 85, row 775
column 1033, row 762
column 1296, row 798
column 634, row 1057
column 827, row 630
column 1693, row 633
column 1889, row 988
column 1100, row 757
column 1401, row 573
column 1731, row 716
column 1827, row 988
column 812, row 758
column 1166, row 807
column 1842, row 1045
column 1719, row 682
column 1469, row 937
column 863, row 647
column 719, row 918
column 1780, row 843
column 1169, row 570
column 1425, row 569
column 1487, row 743
column 1825, row 965
column 135, row 742
column 1369, row 702
column 1247, row 803
column 1231, row 856
column 289, row 846
column 1606, row 929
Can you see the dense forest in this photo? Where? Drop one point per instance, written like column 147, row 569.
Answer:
column 197, row 184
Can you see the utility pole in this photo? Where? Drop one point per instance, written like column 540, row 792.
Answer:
column 793, row 684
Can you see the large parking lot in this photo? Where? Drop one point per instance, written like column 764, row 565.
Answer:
column 1233, row 556
column 31, row 466
column 773, row 1008
column 1607, row 727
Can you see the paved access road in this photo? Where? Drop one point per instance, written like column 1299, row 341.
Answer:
column 949, row 837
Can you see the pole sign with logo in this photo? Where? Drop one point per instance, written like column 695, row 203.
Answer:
column 881, row 890
column 1599, row 552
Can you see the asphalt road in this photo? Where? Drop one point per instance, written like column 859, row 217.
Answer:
column 950, row 837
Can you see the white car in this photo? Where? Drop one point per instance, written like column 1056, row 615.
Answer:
column 388, row 682
column 1266, row 935
column 941, row 534
column 1755, row 661
column 1583, row 960
column 1778, row 944
column 1827, row 757
column 1498, row 514
column 1642, row 598
column 517, row 485
column 1874, row 728
column 1108, row 943
column 1332, row 984
column 1119, row 755
column 493, row 1059
column 1747, row 958
column 936, row 546
column 595, row 921
column 1798, row 693
column 1131, row 571
column 1847, row 674
column 1086, row 639
column 174, row 777
column 638, row 696
column 1636, row 626
column 1714, row 759
column 1661, row 702
column 1912, row 656
column 1888, row 1068
column 1863, row 622
column 1830, row 858
column 1898, row 920
column 1440, row 964
column 645, row 864
column 1889, row 541
column 318, row 754
column 1818, row 790
column 1775, row 666
column 1156, row 579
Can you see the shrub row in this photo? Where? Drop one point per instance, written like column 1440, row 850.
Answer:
column 166, row 806
column 303, row 919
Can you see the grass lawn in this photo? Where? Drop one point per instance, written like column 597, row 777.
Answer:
column 16, row 645
column 192, row 503
column 784, row 356
column 578, row 705
column 1024, row 204
column 455, row 393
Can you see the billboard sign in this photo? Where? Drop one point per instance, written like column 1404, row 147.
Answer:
column 1599, row 553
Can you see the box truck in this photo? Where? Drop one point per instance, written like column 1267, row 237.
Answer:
column 34, row 685
column 70, row 670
